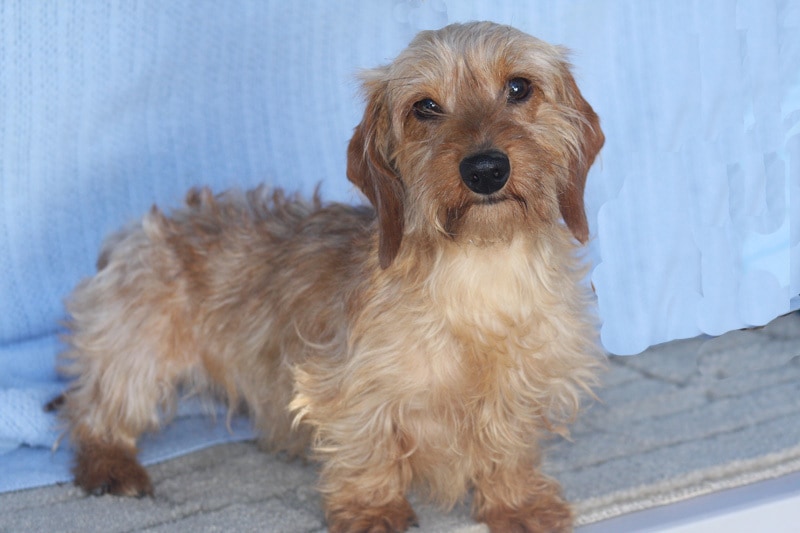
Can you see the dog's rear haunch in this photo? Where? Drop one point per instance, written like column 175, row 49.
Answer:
column 428, row 341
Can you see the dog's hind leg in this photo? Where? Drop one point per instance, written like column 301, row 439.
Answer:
column 130, row 346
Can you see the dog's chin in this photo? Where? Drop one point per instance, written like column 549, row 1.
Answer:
column 484, row 221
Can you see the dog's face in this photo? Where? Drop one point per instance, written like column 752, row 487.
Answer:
column 475, row 132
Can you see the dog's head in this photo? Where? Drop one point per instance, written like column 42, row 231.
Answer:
column 474, row 132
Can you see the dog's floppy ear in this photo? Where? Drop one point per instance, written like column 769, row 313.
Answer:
column 369, row 168
column 570, row 198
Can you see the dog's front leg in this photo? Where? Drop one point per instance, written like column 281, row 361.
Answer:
column 519, row 497
column 365, row 475
column 367, row 498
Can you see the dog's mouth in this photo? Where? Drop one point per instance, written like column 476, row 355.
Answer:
column 454, row 216
column 491, row 200
column 500, row 198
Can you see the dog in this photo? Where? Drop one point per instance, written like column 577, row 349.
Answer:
column 428, row 341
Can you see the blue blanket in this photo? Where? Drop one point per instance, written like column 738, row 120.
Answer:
column 109, row 107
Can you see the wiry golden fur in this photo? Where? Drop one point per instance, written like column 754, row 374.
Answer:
column 428, row 342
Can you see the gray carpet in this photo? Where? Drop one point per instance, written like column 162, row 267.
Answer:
column 687, row 418
column 682, row 419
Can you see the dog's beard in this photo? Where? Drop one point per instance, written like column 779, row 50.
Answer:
column 484, row 221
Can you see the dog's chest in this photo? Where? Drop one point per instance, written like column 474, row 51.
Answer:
column 488, row 290
column 482, row 314
column 479, row 346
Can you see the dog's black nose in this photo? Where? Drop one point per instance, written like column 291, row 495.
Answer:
column 485, row 172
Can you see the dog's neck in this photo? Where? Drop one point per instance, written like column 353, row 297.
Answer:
column 503, row 276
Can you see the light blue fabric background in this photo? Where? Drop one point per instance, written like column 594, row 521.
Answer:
column 109, row 107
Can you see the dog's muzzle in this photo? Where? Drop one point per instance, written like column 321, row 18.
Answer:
column 485, row 172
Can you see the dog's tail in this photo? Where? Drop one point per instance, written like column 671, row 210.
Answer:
column 55, row 404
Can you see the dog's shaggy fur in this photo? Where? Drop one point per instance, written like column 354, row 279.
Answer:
column 429, row 341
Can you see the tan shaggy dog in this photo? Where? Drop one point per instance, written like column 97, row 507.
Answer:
column 427, row 342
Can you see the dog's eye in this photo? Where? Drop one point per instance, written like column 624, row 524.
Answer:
column 518, row 90
column 427, row 109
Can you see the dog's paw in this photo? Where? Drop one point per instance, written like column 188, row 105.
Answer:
column 393, row 518
column 545, row 515
column 111, row 470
